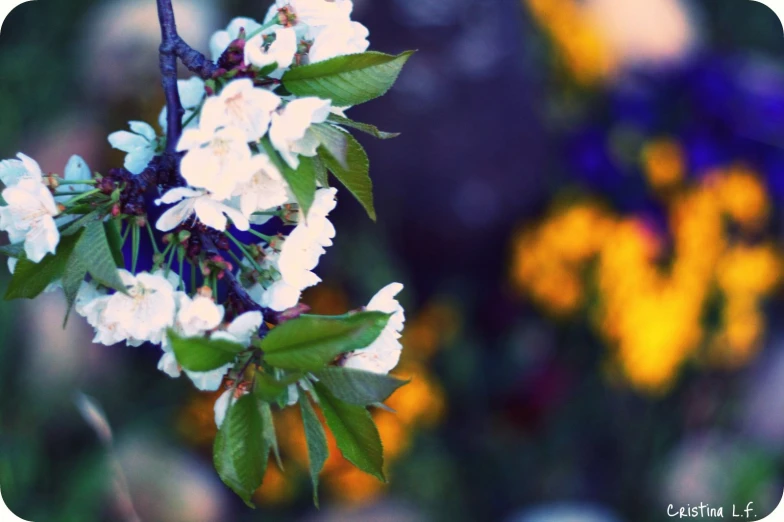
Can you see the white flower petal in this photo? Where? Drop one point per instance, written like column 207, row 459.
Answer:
column 168, row 365
column 77, row 170
column 210, row 213
column 244, row 326
column 32, row 167
column 127, row 141
column 191, row 92
column 138, row 160
column 222, row 407
column 42, row 240
column 383, row 354
column 209, row 381
column 143, row 129
column 177, row 194
column 172, row 218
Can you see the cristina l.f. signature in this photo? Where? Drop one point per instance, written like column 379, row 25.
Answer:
column 703, row 510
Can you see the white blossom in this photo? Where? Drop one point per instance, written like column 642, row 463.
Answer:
column 266, row 188
column 279, row 296
column 281, row 51
column 168, row 364
column 243, row 106
column 383, row 354
column 224, row 402
column 289, row 131
column 241, row 329
column 221, row 39
column 298, row 256
column 303, row 248
column 83, row 304
column 217, row 160
column 191, row 95
column 75, row 170
column 12, row 171
column 142, row 315
column 209, row 210
column 198, row 315
column 139, row 145
column 194, row 318
column 338, row 39
column 29, row 217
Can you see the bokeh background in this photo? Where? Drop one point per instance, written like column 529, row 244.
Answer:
column 585, row 207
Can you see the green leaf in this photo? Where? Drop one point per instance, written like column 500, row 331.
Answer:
column 198, row 354
column 16, row 250
column 318, row 451
column 322, row 176
column 301, row 181
column 356, row 177
column 31, row 279
column 355, row 432
column 240, row 452
column 363, row 127
column 115, row 242
column 269, row 389
column 268, row 430
column 358, row 387
column 347, row 80
column 94, row 251
column 334, row 141
column 309, row 343
column 73, row 276
column 78, row 224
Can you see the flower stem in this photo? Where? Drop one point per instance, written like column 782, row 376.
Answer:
column 152, row 238
column 181, row 259
column 243, row 249
column 169, row 262
column 271, row 23
column 261, row 236
column 83, row 195
column 135, row 238
column 76, row 182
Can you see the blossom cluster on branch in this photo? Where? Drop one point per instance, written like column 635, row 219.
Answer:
column 204, row 240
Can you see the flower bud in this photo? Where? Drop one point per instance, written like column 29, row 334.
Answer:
column 51, row 181
column 287, row 17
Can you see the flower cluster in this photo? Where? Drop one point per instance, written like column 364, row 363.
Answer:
column 654, row 316
column 227, row 215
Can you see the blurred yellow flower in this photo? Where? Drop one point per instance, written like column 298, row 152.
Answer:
column 651, row 299
column 663, row 163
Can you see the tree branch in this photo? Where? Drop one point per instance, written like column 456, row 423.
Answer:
column 194, row 60
column 168, row 62
column 165, row 170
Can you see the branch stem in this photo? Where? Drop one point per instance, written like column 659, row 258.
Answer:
column 165, row 171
